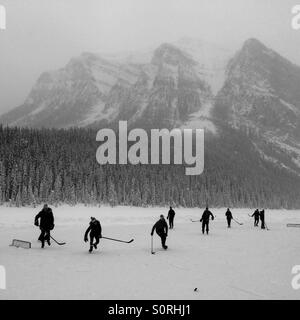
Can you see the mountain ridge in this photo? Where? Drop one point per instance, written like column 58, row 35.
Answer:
column 184, row 84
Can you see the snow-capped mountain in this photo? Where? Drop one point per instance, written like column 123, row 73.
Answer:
column 168, row 90
column 74, row 95
column 211, row 60
column 168, row 86
column 261, row 95
column 189, row 83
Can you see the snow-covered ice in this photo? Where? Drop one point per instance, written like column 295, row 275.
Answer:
column 238, row 263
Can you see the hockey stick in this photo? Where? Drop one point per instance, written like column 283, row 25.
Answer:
column 267, row 227
column 237, row 222
column 59, row 243
column 296, row 225
column 200, row 221
column 152, row 252
column 118, row 240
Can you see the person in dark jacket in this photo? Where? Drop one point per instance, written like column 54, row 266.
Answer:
column 95, row 232
column 256, row 217
column 170, row 217
column 205, row 220
column 161, row 228
column 229, row 217
column 45, row 220
column 262, row 218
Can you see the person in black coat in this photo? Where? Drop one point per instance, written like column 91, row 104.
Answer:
column 262, row 218
column 161, row 228
column 229, row 217
column 256, row 215
column 45, row 220
column 170, row 217
column 205, row 220
column 95, row 232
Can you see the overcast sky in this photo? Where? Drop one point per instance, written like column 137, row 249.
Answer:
column 44, row 34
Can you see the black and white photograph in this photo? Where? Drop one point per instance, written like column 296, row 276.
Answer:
column 149, row 150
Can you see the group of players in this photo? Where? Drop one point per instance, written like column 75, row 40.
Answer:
column 45, row 221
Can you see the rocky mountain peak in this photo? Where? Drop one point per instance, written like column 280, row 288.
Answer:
column 169, row 54
column 190, row 83
column 253, row 44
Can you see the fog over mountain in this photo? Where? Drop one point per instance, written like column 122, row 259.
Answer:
column 44, row 35
column 189, row 83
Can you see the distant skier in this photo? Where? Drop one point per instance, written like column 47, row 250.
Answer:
column 262, row 218
column 161, row 228
column 229, row 217
column 205, row 220
column 95, row 232
column 45, row 220
column 256, row 217
column 170, row 217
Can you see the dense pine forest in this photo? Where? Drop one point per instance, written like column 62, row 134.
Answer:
column 59, row 166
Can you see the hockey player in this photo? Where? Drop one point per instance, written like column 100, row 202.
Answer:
column 256, row 217
column 95, row 232
column 262, row 218
column 45, row 220
column 205, row 220
column 170, row 217
column 161, row 228
column 229, row 217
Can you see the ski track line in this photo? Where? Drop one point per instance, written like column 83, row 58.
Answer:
column 178, row 267
column 249, row 292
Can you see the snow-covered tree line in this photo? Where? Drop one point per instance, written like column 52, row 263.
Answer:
column 59, row 166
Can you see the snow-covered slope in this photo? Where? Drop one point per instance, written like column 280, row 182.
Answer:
column 165, row 86
column 211, row 59
column 175, row 89
column 189, row 83
column 74, row 95
column 261, row 95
